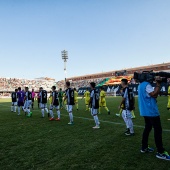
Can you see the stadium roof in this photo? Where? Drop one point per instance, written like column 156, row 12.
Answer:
column 154, row 67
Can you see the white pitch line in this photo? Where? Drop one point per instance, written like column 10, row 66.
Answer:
column 104, row 121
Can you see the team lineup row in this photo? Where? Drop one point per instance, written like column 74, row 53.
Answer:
column 94, row 100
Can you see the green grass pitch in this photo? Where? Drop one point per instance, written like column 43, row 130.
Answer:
column 37, row 143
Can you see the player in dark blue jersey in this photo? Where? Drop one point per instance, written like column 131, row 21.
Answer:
column 20, row 96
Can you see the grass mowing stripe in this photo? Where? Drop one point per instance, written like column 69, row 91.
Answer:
column 103, row 121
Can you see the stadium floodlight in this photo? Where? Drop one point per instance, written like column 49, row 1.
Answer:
column 64, row 55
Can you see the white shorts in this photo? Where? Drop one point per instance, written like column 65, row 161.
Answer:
column 94, row 111
column 69, row 108
column 52, row 107
column 27, row 104
column 126, row 114
column 43, row 105
column 14, row 103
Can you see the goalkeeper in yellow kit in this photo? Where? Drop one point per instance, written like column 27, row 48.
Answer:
column 102, row 101
column 87, row 99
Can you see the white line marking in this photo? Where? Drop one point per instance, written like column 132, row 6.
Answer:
column 104, row 121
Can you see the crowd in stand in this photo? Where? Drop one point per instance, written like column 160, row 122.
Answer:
column 9, row 84
column 85, row 83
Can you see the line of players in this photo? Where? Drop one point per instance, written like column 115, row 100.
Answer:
column 93, row 101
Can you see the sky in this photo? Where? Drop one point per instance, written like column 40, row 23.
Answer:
column 99, row 35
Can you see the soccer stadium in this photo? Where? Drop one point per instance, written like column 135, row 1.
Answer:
column 84, row 85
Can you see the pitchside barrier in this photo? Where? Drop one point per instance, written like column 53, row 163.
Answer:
column 115, row 89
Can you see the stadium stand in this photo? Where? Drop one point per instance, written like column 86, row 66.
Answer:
column 9, row 84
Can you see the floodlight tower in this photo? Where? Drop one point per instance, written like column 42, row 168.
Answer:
column 64, row 55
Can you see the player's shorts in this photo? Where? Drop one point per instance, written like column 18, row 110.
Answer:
column 33, row 100
column 43, row 105
column 38, row 100
column 126, row 114
column 14, row 103
column 87, row 101
column 20, row 103
column 69, row 108
column 102, row 103
column 54, row 106
column 94, row 111
column 27, row 104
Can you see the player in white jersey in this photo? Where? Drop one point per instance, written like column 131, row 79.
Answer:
column 43, row 101
column 28, row 102
column 14, row 100
column 54, row 104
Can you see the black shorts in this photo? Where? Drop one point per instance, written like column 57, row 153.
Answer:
column 20, row 104
column 32, row 99
column 38, row 100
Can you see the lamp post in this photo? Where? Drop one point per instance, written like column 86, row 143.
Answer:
column 64, row 55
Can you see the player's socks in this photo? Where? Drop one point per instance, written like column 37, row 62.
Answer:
column 96, row 120
column 58, row 113
column 42, row 111
column 99, row 110
column 71, row 116
column 28, row 112
column 133, row 114
column 106, row 109
column 18, row 110
column 87, row 107
column 46, row 110
column 52, row 114
column 12, row 109
column 120, row 111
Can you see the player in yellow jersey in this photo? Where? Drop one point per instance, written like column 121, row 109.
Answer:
column 76, row 98
column 64, row 101
column 102, row 101
column 87, row 99
column 50, row 101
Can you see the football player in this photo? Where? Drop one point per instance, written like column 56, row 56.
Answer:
column 87, row 98
column 94, row 103
column 20, row 96
column 43, row 101
column 70, row 101
column 14, row 100
column 27, row 102
column 54, row 104
column 102, row 101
